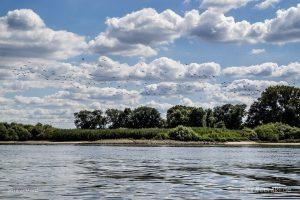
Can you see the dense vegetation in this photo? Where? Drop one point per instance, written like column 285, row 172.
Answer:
column 226, row 116
column 276, row 116
column 269, row 132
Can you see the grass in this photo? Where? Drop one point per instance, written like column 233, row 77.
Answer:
column 92, row 135
column 274, row 132
column 204, row 134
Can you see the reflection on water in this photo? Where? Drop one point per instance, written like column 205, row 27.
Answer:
column 95, row 172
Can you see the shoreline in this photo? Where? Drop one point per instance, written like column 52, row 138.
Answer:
column 129, row 142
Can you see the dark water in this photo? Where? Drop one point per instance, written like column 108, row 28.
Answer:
column 104, row 172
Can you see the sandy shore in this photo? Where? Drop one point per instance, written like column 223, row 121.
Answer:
column 128, row 142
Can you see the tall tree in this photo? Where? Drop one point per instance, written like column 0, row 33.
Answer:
column 145, row 117
column 276, row 104
column 89, row 119
column 196, row 117
column 209, row 118
column 230, row 115
column 186, row 116
column 114, row 118
column 125, row 118
column 99, row 121
column 178, row 115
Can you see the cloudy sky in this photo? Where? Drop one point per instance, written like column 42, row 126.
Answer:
column 61, row 56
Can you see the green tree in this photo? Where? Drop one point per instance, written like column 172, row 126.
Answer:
column 3, row 132
column 145, row 117
column 209, row 118
column 230, row 115
column 185, row 116
column 276, row 104
column 22, row 133
column 196, row 117
column 89, row 119
column 98, row 120
column 125, row 118
column 114, row 118
column 178, row 115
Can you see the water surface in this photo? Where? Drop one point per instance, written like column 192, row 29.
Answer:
column 113, row 172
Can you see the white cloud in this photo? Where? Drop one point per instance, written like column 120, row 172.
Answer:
column 104, row 44
column 187, row 102
column 270, row 70
column 159, row 105
column 215, row 26
column 251, row 87
column 257, row 51
column 24, row 34
column 290, row 71
column 266, row 4
column 137, row 33
column 172, row 88
column 223, row 5
column 262, row 70
column 159, row 69
column 212, row 25
column 81, row 93
column 285, row 27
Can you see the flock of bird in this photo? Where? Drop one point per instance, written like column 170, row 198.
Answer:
column 72, row 81
column 26, row 72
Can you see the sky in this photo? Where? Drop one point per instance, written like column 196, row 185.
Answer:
column 58, row 57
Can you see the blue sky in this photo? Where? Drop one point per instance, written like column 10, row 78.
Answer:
column 61, row 56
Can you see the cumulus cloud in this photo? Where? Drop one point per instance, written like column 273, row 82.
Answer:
column 290, row 71
column 251, row 87
column 271, row 70
column 136, row 34
column 257, row 51
column 172, row 88
column 215, row 26
column 262, row 70
column 266, row 4
column 81, row 93
column 159, row 105
column 103, row 44
column 285, row 27
column 210, row 95
column 159, row 69
column 223, row 5
column 24, row 34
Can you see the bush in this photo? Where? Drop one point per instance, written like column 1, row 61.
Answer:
column 22, row 133
column 183, row 134
column 3, row 132
column 277, row 131
column 250, row 134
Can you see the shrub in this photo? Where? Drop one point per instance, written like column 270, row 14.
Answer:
column 3, row 132
column 220, row 124
column 249, row 133
column 277, row 131
column 183, row 134
column 22, row 133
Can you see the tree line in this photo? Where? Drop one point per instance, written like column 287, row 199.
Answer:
column 276, row 104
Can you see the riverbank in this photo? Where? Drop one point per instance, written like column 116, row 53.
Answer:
column 128, row 142
column 275, row 133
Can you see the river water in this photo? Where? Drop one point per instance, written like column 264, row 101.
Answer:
column 114, row 172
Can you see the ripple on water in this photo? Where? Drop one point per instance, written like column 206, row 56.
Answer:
column 93, row 172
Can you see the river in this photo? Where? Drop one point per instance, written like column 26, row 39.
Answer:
column 123, row 172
